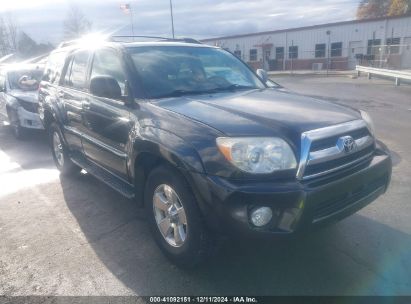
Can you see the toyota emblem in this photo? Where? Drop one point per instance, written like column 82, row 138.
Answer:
column 347, row 143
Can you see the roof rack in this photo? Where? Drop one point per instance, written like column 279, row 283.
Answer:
column 187, row 40
column 67, row 43
column 132, row 37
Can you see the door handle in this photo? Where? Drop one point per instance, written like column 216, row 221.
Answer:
column 86, row 104
column 61, row 94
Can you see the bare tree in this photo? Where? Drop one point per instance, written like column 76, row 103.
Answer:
column 4, row 47
column 76, row 23
column 12, row 31
column 8, row 34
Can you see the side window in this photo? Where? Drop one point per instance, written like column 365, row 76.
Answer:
column 108, row 63
column 66, row 79
column 54, row 67
column 253, row 55
column 2, row 82
column 79, row 70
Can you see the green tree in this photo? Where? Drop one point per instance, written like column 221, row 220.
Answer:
column 373, row 9
column 399, row 8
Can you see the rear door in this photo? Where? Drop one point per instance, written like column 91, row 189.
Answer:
column 106, row 121
column 73, row 93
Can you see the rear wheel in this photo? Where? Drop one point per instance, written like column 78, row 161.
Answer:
column 60, row 152
column 175, row 219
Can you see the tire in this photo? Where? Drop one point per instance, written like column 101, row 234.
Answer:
column 19, row 132
column 197, row 243
column 60, row 152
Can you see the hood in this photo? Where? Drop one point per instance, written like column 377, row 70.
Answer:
column 260, row 112
column 29, row 96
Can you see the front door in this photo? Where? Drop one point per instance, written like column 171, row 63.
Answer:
column 106, row 121
column 355, row 48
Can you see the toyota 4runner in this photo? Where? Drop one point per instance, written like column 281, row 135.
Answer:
column 207, row 145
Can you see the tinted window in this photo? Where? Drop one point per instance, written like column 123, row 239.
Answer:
column 336, row 49
column 320, row 50
column 54, row 66
column 2, row 81
column 66, row 80
column 279, row 52
column 108, row 63
column 393, row 45
column 79, row 70
column 253, row 55
column 373, row 46
column 26, row 80
column 293, row 52
column 174, row 70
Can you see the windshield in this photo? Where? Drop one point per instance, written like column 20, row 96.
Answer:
column 180, row 70
column 26, row 80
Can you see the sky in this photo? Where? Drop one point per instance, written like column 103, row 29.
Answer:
column 43, row 19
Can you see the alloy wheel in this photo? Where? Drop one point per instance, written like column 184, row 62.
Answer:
column 58, row 149
column 170, row 215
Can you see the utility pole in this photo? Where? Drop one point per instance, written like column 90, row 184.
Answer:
column 128, row 10
column 172, row 18
column 132, row 20
column 328, row 53
column 292, row 56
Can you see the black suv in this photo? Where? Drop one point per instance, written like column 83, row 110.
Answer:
column 208, row 146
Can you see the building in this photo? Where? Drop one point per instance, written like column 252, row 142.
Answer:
column 383, row 42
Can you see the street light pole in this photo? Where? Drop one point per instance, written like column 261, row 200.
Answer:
column 172, row 18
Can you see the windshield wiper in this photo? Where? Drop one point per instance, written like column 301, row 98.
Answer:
column 233, row 87
column 178, row 93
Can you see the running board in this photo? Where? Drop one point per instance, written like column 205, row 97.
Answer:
column 121, row 186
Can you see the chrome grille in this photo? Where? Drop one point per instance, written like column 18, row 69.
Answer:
column 324, row 151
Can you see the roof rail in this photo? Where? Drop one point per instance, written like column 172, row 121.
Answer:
column 67, row 43
column 187, row 40
column 132, row 37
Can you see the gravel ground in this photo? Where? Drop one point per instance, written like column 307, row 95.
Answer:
column 75, row 236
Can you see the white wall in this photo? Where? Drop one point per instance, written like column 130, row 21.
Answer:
column 306, row 39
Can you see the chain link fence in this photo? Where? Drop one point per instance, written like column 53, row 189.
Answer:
column 393, row 56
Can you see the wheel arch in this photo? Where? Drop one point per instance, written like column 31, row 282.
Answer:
column 148, row 154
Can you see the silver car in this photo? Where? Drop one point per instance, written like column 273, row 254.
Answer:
column 18, row 97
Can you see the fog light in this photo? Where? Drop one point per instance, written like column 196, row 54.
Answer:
column 261, row 216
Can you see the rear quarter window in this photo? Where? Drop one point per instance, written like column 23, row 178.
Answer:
column 54, row 67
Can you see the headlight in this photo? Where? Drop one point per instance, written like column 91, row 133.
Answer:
column 257, row 155
column 370, row 125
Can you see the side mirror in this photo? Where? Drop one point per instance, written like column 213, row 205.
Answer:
column 105, row 86
column 262, row 74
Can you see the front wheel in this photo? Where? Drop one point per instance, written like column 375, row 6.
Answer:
column 60, row 152
column 18, row 131
column 175, row 219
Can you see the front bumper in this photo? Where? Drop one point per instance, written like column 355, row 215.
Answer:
column 28, row 119
column 297, row 206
